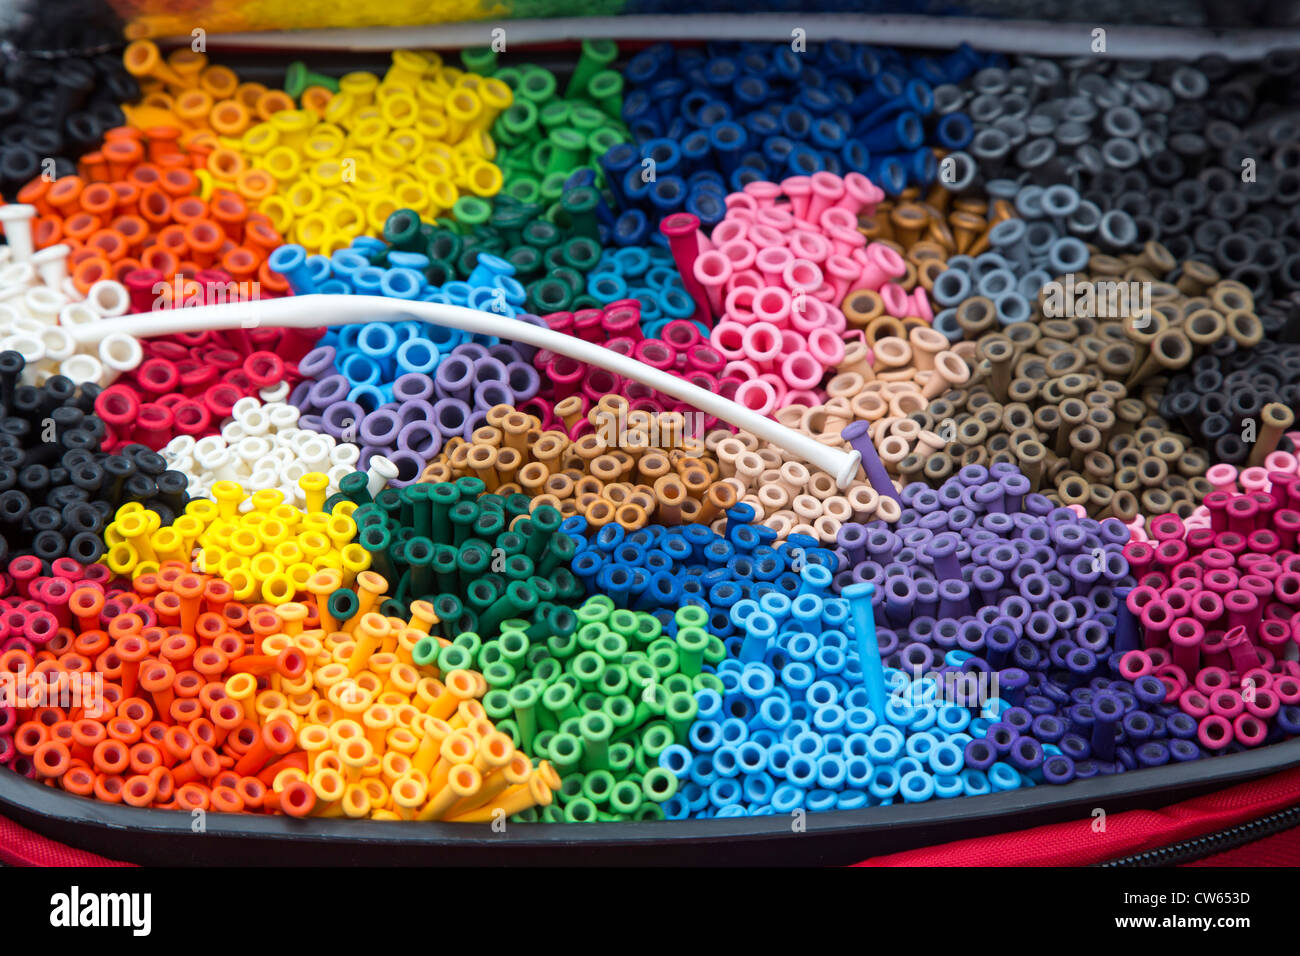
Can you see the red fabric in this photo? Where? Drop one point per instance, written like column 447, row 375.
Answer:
column 1063, row 844
column 1281, row 849
column 1077, row 844
column 21, row 847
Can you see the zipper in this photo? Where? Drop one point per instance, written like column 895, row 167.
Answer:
column 1198, row 848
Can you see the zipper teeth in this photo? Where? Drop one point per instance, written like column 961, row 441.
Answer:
column 1198, row 847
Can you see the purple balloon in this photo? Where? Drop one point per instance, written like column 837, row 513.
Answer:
column 853, row 539
column 409, row 467
column 412, row 386
column 454, row 378
column 415, row 411
column 342, row 420
column 487, row 394
column 523, row 381
column 380, row 428
column 476, row 419
column 328, row 391
column 420, row 438
column 298, row 397
column 450, row 415
column 318, row 363
column 489, row 369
